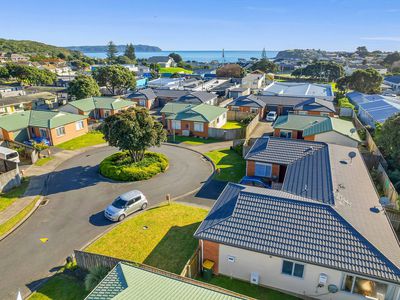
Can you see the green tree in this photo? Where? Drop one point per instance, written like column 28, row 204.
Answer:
column 366, row 81
column 389, row 138
column 117, row 79
column 30, row 75
column 362, row 51
column 391, row 58
column 124, row 60
column 111, row 52
column 231, row 70
column 130, row 52
column 328, row 71
column 342, row 84
column 133, row 130
column 83, row 86
column 61, row 55
column 4, row 72
column 265, row 65
column 176, row 57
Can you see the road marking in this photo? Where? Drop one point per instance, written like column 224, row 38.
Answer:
column 44, row 240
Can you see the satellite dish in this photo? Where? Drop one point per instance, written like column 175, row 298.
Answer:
column 352, row 154
column 384, row 201
column 332, row 288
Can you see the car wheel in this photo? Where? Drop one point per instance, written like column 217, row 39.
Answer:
column 121, row 217
column 144, row 206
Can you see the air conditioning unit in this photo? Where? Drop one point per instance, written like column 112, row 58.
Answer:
column 254, row 278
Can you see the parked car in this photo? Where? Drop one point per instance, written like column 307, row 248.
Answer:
column 254, row 181
column 271, row 116
column 9, row 154
column 125, row 205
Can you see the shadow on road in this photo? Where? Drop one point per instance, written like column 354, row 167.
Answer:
column 211, row 189
column 99, row 219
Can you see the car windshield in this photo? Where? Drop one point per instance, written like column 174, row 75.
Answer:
column 271, row 114
column 119, row 203
column 12, row 155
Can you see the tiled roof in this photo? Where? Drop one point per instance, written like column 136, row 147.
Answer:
column 158, row 59
column 92, row 103
column 166, row 93
column 393, row 79
column 282, row 100
column 199, row 97
column 147, row 94
column 191, row 112
column 343, row 127
column 281, row 224
column 315, row 104
column 249, row 101
column 127, row 281
column 297, row 122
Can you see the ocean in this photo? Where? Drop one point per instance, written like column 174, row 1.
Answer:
column 200, row 56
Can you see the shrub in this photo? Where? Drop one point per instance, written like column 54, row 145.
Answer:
column 120, row 166
column 248, row 119
column 94, row 277
column 345, row 103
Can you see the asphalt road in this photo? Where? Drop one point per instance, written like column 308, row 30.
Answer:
column 73, row 215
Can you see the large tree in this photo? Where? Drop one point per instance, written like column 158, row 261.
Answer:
column 130, row 52
column 83, row 86
column 30, row 75
column 366, row 81
column 231, row 70
column 133, row 130
column 111, row 51
column 4, row 72
column 328, row 71
column 176, row 57
column 391, row 58
column 117, row 79
column 362, row 51
column 389, row 138
column 265, row 65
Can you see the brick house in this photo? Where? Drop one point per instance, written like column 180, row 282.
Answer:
column 97, row 107
column 145, row 98
column 192, row 120
column 250, row 104
column 56, row 127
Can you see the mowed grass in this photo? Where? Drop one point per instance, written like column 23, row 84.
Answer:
column 190, row 140
column 90, row 139
column 42, row 161
column 247, row 289
column 175, row 70
column 232, row 166
column 233, row 125
column 166, row 242
column 61, row 287
column 6, row 199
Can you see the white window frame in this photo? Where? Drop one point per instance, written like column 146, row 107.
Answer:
column 235, row 108
column 288, row 132
column 342, row 287
column 198, row 124
column 79, row 125
column 293, row 266
column 57, row 131
column 265, row 166
column 176, row 125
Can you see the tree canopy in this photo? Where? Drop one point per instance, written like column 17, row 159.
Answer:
column 111, row 51
column 391, row 58
column 83, row 86
column 231, row 70
column 30, row 75
column 365, row 81
column 389, row 138
column 362, row 51
column 328, row 71
column 117, row 79
column 130, row 52
column 265, row 65
column 4, row 72
column 176, row 57
column 133, row 130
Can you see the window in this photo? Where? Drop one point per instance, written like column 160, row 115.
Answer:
column 199, row 127
column 43, row 132
column 106, row 113
column 263, row 170
column 136, row 199
column 365, row 287
column 79, row 125
column 235, row 108
column 253, row 110
column 60, row 131
column 285, row 134
column 176, row 124
column 302, row 112
column 292, row 269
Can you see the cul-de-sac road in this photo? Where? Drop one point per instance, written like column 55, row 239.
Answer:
column 73, row 215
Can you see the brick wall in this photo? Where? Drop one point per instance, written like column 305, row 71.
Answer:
column 309, row 138
column 277, row 132
column 189, row 125
column 251, row 168
column 211, row 252
column 8, row 135
column 275, row 170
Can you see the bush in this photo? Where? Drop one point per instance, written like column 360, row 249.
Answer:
column 120, row 166
column 345, row 103
column 94, row 277
column 246, row 121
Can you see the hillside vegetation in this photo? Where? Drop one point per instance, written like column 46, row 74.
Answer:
column 120, row 48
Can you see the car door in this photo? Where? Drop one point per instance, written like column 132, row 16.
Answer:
column 137, row 203
column 130, row 206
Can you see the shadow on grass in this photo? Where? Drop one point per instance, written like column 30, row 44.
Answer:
column 175, row 249
column 232, row 166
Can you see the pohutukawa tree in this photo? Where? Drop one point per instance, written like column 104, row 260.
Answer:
column 133, row 130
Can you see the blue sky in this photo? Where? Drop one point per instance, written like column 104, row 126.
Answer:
column 207, row 24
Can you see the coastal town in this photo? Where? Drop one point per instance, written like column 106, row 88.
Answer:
column 132, row 172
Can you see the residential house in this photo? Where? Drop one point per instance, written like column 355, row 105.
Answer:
column 162, row 61
column 56, row 127
column 300, row 89
column 315, row 107
column 192, row 120
column 133, row 281
column 322, row 235
column 145, row 98
column 11, row 91
column 166, row 95
column 198, row 98
column 316, row 128
column 238, row 92
column 97, row 107
column 250, row 104
column 394, row 82
column 18, row 58
column 40, row 100
column 165, row 83
column 253, row 81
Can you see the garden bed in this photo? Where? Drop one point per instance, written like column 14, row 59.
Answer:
column 121, row 167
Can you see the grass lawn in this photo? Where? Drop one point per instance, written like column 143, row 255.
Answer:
column 42, row 161
column 167, row 243
column 232, row 166
column 247, row 289
column 190, row 140
column 90, row 139
column 61, row 287
column 175, row 70
column 6, row 199
column 233, row 125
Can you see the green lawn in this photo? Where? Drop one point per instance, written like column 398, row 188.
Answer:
column 190, row 140
column 247, row 289
column 61, row 287
column 6, row 199
column 167, row 242
column 232, row 166
column 175, row 70
column 90, row 139
column 233, row 125
column 42, row 161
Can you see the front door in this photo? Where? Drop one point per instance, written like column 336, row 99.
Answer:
column 43, row 133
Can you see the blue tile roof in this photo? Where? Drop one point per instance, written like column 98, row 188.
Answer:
column 282, row 224
column 249, row 101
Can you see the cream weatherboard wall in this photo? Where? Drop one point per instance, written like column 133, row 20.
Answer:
column 219, row 122
column 269, row 269
column 332, row 137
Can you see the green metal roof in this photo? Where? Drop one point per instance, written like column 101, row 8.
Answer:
column 37, row 118
column 126, row 281
column 196, row 113
column 333, row 124
column 297, row 122
column 91, row 103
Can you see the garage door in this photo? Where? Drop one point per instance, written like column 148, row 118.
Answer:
column 21, row 135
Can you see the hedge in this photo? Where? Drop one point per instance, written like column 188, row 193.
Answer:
column 119, row 166
column 345, row 103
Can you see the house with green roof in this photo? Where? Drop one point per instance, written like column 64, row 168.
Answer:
column 97, row 107
column 193, row 120
column 130, row 281
column 326, row 129
column 56, row 127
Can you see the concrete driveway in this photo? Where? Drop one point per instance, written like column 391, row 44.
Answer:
column 73, row 216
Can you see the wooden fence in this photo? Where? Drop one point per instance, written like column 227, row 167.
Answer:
column 233, row 134
column 87, row 261
column 193, row 266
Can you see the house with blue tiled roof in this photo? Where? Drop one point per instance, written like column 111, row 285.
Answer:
column 320, row 234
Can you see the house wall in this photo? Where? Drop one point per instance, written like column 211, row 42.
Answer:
column 333, row 137
column 7, row 135
column 189, row 125
column 220, row 121
column 251, row 168
column 314, row 113
column 261, row 111
column 211, row 252
column 277, row 133
column 70, row 133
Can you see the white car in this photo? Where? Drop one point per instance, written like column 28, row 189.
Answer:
column 271, row 116
column 125, row 205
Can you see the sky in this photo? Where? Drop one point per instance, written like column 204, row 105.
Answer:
column 207, row 24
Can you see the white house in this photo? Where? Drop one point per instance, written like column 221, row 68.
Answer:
column 300, row 89
column 163, row 61
column 253, row 81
